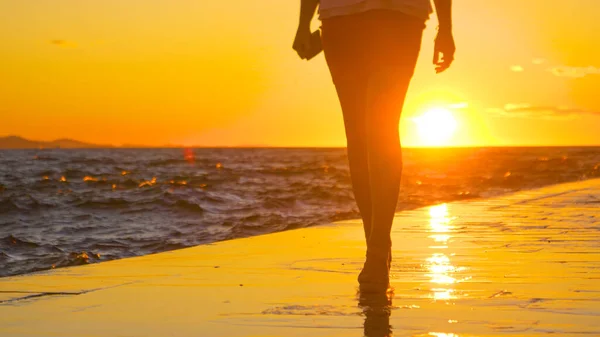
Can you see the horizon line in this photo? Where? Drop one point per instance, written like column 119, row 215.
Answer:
column 255, row 146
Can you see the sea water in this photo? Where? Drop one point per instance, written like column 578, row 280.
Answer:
column 62, row 207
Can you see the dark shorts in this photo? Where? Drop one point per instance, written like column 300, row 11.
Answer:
column 363, row 44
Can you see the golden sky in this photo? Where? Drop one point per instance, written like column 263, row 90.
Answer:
column 222, row 73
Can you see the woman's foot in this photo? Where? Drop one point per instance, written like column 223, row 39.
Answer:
column 374, row 276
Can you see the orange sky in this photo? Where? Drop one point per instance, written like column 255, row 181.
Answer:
column 223, row 73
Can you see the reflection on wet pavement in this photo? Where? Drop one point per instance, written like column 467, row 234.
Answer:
column 523, row 265
column 439, row 265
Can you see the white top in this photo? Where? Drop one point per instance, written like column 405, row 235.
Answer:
column 419, row 8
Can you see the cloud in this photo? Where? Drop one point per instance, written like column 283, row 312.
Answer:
column 538, row 61
column 541, row 112
column 574, row 72
column 562, row 70
column 517, row 68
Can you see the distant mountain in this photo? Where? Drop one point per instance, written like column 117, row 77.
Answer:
column 16, row 142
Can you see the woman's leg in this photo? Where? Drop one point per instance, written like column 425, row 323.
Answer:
column 371, row 57
column 393, row 53
column 385, row 98
column 352, row 102
column 344, row 55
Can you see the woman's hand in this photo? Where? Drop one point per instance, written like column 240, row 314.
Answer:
column 443, row 51
column 302, row 42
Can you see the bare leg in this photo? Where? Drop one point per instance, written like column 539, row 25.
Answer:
column 371, row 57
column 351, row 95
column 392, row 54
column 368, row 104
column 344, row 53
column 385, row 97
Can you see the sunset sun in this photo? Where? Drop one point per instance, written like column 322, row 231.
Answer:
column 435, row 126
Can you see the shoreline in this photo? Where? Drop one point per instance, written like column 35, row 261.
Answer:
column 523, row 264
column 408, row 209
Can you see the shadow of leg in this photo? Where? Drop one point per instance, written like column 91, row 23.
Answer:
column 377, row 310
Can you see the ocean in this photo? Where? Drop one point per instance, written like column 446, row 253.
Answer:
column 63, row 207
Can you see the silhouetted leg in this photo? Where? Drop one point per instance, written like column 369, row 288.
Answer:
column 393, row 51
column 385, row 99
column 371, row 57
column 351, row 97
column 345, row 57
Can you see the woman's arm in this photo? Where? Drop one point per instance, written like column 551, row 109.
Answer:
column 302, row 40
column 443, row 9
column 443, row 52
column 307, row 11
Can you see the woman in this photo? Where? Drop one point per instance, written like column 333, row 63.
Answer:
column 371, row 48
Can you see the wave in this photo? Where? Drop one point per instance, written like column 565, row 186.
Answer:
column 104, row 203
column 12, row 241
column 188, row 206
column 166, row 162
column 7, row 206
column 19, row 203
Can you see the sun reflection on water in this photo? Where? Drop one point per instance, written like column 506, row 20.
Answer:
column 439, row 266
column 442, row 334
column 439, row 220
column 440, row 238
